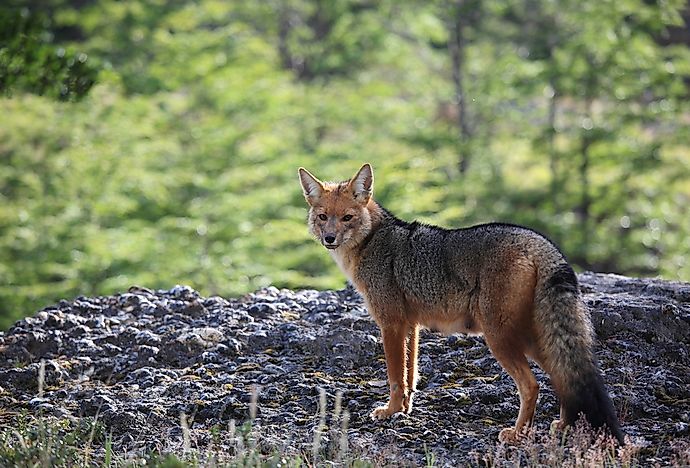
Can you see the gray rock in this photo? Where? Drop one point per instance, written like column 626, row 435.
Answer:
column 140, row 358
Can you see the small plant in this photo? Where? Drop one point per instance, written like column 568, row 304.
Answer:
column 573, row 447
column 429, row 457
column 44, row 442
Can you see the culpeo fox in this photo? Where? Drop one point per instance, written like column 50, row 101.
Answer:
column 503, row 281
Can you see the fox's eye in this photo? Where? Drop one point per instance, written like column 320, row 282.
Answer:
column 323, row 217
column 347, row 217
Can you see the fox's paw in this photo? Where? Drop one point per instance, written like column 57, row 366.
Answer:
column 509, row 436
column 557, row 425
column 407, row 404
column 383, row 412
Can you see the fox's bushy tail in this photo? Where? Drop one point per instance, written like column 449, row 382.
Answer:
column 566, row 338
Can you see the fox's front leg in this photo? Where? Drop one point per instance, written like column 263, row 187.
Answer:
column 394, row 346
column 412, row 344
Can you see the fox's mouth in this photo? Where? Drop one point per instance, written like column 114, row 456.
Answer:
column 331, row 246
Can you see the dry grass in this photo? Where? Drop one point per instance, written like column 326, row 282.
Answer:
column 576, row 447
column 47, row 442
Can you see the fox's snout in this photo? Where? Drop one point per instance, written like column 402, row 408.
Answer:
column 329, row 235
column 329, row 232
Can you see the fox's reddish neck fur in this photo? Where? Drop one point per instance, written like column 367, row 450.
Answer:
column 377, row 213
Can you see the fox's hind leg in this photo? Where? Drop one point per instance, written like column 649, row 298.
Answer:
column 558, row 424
column 515, row 363
column 412, row 341
column 395, row 347
column 506, row 312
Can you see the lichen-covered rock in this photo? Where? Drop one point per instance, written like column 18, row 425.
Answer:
column 138, row 360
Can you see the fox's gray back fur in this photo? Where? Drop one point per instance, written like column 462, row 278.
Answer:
column 451, row 269
column 433, row 263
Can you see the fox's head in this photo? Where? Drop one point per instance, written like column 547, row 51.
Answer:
column 338, row 214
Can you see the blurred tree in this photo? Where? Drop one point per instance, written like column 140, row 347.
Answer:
column 321, row 38
column 31, row 62
column 592, row 57
column 179, row 164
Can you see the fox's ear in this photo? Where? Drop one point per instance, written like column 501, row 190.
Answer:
column 311, row 186
column 362, row 184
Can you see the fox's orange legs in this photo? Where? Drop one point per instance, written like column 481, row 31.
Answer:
column 528, row 388
column 394, row 345
column 515, row 363
column 412, row 348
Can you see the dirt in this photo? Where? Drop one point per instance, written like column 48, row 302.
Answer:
column 138, row 360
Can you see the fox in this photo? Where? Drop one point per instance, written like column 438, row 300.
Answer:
column 504, row 282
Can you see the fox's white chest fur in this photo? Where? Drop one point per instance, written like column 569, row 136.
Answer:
column 345, row 262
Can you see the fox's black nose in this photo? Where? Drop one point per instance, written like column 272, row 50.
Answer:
column 329, row 239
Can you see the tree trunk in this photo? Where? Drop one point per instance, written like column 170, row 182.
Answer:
column 456, row 47
column 286, row 59
column 583, row 210
column 551, row 147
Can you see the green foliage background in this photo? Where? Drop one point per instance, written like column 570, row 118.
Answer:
column 161, row 147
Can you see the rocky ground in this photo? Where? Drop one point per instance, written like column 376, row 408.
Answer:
column 139, row 360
